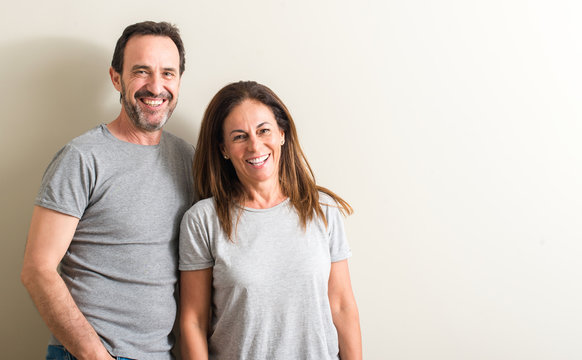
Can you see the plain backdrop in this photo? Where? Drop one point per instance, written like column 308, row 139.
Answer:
column 453, row 127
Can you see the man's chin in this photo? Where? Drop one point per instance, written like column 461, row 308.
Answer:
column 151, row 125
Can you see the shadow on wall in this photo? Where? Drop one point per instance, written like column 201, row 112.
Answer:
column 52, row 90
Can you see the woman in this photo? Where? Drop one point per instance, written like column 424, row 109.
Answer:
column 263, row 257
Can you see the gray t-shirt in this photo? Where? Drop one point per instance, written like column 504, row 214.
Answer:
column 269, row 287
column 121, row 266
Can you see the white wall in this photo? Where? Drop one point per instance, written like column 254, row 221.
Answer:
column 453, row 127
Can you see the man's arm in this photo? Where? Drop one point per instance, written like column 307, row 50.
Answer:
column 344, row 311
column 49, row 237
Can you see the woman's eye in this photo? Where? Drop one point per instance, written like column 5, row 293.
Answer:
column 264, row 131
column 238, row 137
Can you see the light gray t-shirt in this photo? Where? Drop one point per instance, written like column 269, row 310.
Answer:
column 121, row 266
column 269, row 289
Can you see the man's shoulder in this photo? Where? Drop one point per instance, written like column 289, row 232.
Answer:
column 92, row 137
column 82, row 144
column 175, row 140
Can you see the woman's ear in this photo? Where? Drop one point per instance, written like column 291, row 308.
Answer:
column 223, row 151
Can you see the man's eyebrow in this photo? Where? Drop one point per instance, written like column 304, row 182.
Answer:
column 146, row 67
column 136, row 67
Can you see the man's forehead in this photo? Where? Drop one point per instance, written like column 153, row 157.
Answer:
column 140, row 48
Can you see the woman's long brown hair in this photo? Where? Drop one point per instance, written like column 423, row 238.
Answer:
column 216, row 177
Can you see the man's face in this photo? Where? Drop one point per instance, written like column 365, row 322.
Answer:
column 150, row 80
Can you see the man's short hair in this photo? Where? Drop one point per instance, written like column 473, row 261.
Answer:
column 148, row 28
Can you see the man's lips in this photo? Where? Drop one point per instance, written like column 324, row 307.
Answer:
column 153, row 102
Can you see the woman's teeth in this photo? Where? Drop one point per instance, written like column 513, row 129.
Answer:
column 258, row 160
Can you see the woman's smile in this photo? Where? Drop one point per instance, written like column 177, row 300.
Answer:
column 258, row 161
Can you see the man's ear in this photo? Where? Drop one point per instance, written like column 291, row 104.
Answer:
column 115, row 78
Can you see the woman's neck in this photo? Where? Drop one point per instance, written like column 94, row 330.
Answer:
column 263, row 197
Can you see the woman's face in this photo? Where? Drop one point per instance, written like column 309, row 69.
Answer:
column 252, row 142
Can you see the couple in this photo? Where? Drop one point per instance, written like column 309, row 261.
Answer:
column 262, row 256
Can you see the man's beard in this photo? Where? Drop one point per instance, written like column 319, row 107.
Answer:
column 138, row 116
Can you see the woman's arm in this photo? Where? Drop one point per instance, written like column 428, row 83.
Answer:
column 344, row 311
column 195, row 291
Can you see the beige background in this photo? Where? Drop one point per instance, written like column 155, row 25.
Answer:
column 453, row 127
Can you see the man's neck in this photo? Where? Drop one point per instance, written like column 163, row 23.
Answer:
column 123, row 129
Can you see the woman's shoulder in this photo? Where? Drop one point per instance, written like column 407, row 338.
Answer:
column 202, row 208
column 326, row 200
column 332, row 205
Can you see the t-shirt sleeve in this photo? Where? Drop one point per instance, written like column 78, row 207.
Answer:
column 66, row 184
column 194, row 248
column 339, row 248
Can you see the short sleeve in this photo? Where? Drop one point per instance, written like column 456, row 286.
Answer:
column 66, row 184
column 194, row 248
column 339, row 248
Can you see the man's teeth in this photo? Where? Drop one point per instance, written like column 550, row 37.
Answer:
column 258, row 160
column 155, row 102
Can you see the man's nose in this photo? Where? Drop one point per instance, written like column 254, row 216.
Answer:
column 155, row 84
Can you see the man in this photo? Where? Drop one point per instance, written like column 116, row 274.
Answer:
column 109, row 210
